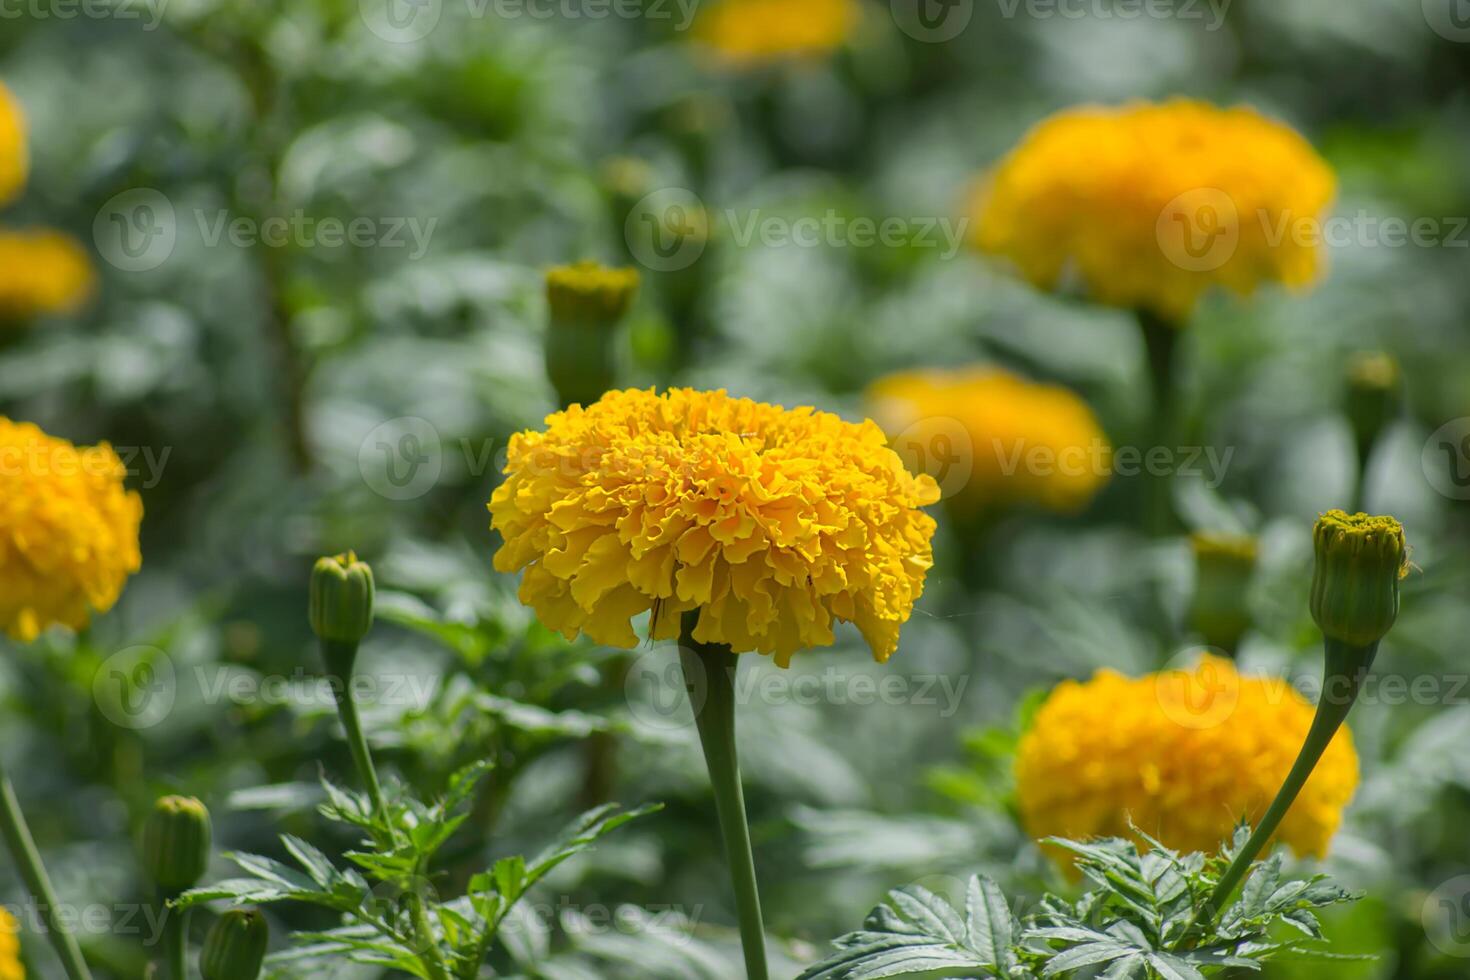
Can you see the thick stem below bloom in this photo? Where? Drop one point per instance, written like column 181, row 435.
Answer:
column 176, row 941
column 28, row 862
column 1161, row 344
column 341, row 659
column 716, row 665
column 1342, row 679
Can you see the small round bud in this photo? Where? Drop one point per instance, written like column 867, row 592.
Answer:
column 175, row 843
column 341, row 607
column 590, row 292
column 1355, row 588
column 1224, row 565
column 235, row 947
column 1372, row 395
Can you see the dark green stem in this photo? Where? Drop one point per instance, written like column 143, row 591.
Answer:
column 716, row 721
column 1161, row 345
column 176, row 941
column 341, row 659
column 1346, row 668
column 28, row 862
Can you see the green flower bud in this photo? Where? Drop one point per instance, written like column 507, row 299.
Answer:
column 1355, row 588
column 341, row 607
column 587, row 300
column 175, row 843
column 1224, row 564
column 235, row 947
column 1372, row 396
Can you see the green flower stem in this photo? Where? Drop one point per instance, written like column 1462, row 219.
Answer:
column 1161, row 344
column 176, row 941
column 1346, row 668
column 716, row 721
column 341, row 660
column 28, row 861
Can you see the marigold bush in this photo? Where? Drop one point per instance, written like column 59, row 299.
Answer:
column 1183, row 755
column 752, row 32
column 1026, row 442
column 41, row 272
column 1150, row 205
column 68, row 530
column 14, row 156
column 773, row 523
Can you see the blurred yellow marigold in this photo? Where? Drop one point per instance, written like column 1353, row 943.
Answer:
column 752, row 32
column 771, row 522
column 990, row 437
column 1149, row 204
column 14, row 156
column 68, row 530
column 10, row 968
column 42, row 271
column 1184, row 754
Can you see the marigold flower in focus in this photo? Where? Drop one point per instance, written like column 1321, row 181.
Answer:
column 10, row 968
column 772, row 523
column 14, row 156
column 991, row 438
column 1149, row 205
column 68, row 530
column 42, row 272
column 1183, row 755
column 746, row 33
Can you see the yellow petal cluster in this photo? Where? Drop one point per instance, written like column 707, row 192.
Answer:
column 1185, row 755
column 14, row 157
column 68, row 530
column 1149, row 205
column 992, row 438
column 42, row 272
column 10, row 967
column 773, row 523
column 746, row 33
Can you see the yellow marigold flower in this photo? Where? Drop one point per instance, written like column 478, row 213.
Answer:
column 10, row 968
column 771, row 522
column 753, row 32
column 1185, row 755
column 990, row 437
column 42, row 271
column 1149, row 204
column 14, row 157
column 68, row 530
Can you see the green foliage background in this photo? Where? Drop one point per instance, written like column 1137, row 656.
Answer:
column 261, row 380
